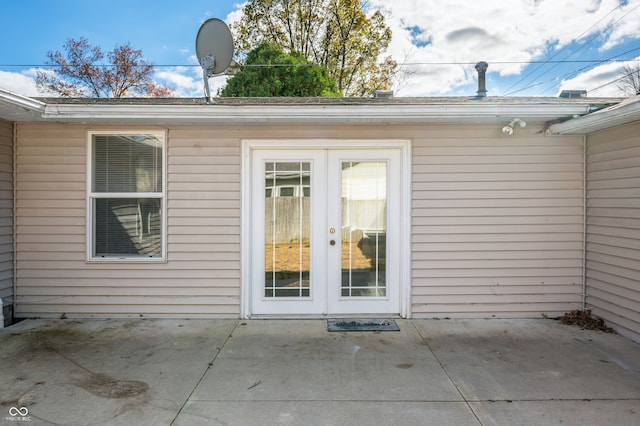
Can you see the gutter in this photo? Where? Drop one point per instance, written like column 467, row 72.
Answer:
column 22, row 106
column 625, row 112
column 480, row 113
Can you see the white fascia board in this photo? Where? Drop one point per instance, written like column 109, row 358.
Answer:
column 623, row 113
column 18, row 107
column 293, row 114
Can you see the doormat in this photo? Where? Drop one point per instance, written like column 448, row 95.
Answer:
column 367, row 324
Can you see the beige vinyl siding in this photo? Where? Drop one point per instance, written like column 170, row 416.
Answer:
column 613, row 227
column 201, row 277
column 497, row 223
column 6, row 213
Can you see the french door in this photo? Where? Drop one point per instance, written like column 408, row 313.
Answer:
column 325, row 231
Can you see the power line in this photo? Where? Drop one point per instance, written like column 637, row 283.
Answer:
column 574, row 72
column 578, row 61
column 507, row 93
column 614, row 81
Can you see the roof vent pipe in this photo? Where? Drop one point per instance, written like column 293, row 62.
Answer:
column 481, row 67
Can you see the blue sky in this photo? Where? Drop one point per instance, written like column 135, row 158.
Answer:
column 437, row 40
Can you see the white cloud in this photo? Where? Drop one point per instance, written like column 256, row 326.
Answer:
column 23, row 83
column 599, row 81
column 625, row 23
column 188, row 81
column 235, row 15
column 179, row 78
column 440, row 42
column 518, row 31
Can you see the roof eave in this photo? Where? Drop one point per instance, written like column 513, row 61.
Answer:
column 625, row 112
column 15, row 107
column 304, row 114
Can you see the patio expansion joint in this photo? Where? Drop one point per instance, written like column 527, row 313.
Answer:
column 322, row 400
column 550, row 400
column 404, row 401
column 444, row 369
column 209, row 365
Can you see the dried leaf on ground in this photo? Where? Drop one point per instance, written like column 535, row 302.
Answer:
column 584, row 320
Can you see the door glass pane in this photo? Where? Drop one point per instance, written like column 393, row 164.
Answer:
column 287, row 229
column 364, row 229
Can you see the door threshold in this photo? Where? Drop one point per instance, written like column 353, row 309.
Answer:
column 324, row 316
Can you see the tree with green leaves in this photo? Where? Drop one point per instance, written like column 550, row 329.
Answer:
column 336, row 34
column 80, row 72
column 268, row 72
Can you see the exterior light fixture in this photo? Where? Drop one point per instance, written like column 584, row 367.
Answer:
column 508, row 129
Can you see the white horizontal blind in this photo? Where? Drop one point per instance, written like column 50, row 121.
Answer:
column 127, row 195
column 127, row 163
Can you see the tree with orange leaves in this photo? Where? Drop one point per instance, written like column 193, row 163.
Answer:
column 80, row 73
column 336, row 34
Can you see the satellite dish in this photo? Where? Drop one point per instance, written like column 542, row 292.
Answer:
column 214, row 49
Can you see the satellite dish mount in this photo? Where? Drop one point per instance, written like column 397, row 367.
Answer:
column 214, row 49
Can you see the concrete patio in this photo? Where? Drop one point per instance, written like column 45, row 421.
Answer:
column 263, row 372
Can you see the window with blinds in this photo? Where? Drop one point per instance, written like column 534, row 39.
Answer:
column 126, row 195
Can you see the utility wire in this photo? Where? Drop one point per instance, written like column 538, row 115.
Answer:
column 577, row 61
column 574, row 72
column 507, row 93
column 561, row 50
column 613, row 81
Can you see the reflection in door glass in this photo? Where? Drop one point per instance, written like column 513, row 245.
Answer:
column 364, row 229
column 287, row 229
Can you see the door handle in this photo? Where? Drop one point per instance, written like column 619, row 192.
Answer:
column 332, row 242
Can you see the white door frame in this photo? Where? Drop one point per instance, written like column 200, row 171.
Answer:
column 404, row 266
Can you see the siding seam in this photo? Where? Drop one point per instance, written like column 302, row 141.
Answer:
column 584, row 222
column 14, row 208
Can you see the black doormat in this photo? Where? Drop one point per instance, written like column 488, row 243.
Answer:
column 367, row 324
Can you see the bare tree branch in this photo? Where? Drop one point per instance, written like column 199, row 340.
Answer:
column 80, row 72
column 629, row 83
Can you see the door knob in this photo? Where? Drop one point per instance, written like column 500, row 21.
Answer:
column 332, row 242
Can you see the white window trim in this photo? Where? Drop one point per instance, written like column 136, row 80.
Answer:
column 161, row 134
